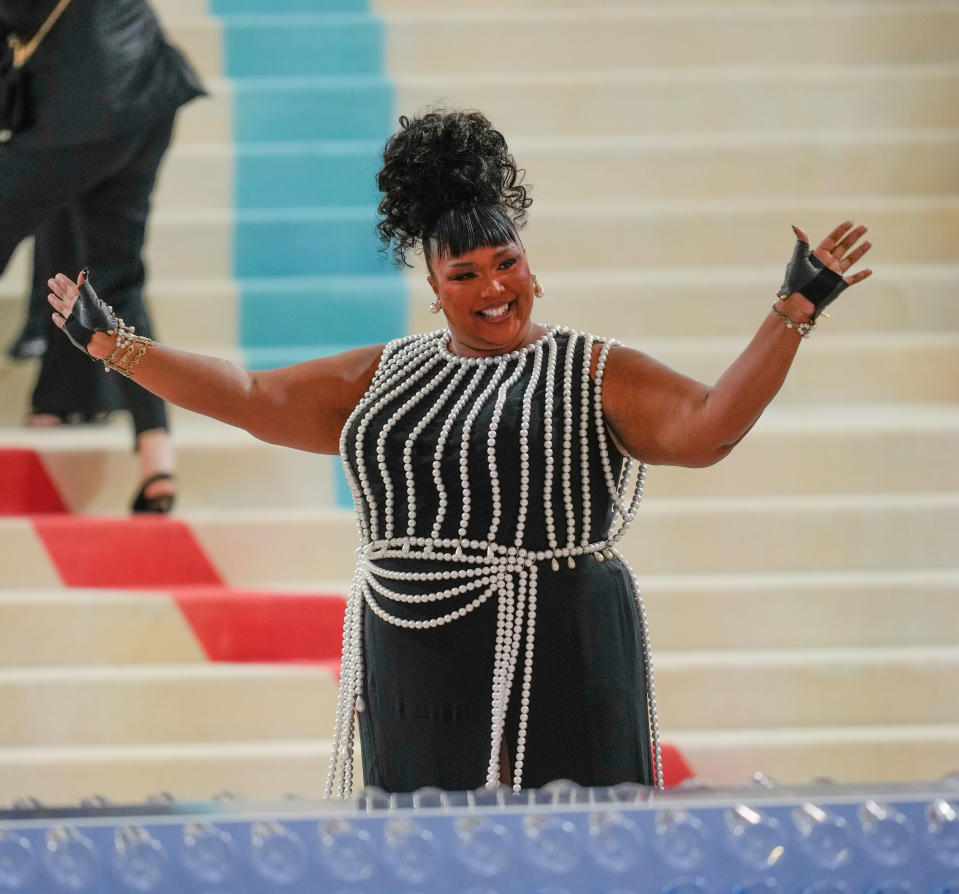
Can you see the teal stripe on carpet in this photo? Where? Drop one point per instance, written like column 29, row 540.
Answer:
column 312, row 108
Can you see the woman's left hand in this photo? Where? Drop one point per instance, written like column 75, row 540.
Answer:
column 838, row 251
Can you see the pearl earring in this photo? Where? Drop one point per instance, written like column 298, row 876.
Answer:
column 537, row 288
column 434, row 306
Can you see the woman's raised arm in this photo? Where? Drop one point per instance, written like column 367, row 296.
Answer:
column 302, row 406
column 666, row 418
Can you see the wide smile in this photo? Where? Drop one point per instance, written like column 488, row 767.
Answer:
column 496, row 312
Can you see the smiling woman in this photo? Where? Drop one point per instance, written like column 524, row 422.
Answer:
column 493, row 632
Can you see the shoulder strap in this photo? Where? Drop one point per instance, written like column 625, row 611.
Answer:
column 23, row 51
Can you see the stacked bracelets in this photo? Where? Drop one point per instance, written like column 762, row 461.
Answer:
column 129, row 350
column 802, row 328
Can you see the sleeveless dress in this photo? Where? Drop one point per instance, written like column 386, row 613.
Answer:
column 490, row 614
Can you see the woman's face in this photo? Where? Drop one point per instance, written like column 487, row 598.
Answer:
column 487, row 296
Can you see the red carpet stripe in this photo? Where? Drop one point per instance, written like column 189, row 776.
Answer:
column 25, row 486
column 143, row 552
column 245, row 625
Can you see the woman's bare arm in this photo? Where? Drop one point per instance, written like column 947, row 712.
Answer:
column 303, row 406
column 663, row 417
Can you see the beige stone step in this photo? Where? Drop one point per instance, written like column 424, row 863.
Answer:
column 141, row 703
column 632, row 100
column 199, row 36
column 218, row 466
column 197, row 175
column 806, row 687
column 894, row 448
column 802, row 609
column 713, row 233
column 638, row 100
column 867, row 754
column 24, row 561
column 691, row 234
column 652, row 301
column 907, row 161
column 799, row 533
column 82, row 626
column 625, row 235
column 660, row 35
column 670, row 535
column 601, row 167
column 191, row 772
column 833, row 369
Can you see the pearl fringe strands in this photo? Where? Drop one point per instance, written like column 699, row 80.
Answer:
column 426, row 558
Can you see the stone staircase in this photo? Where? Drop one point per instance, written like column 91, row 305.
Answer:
column 803, row 593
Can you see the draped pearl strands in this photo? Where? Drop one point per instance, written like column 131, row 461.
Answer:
column 426, row 559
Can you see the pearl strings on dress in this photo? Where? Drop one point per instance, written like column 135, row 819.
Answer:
column 479, row 569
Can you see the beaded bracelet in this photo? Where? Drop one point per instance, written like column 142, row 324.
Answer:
column 802, row 328
column 128, row 351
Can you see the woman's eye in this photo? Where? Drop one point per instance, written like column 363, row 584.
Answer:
column 509, row 262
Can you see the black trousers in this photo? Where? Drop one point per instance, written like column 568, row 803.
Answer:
column 89, row 204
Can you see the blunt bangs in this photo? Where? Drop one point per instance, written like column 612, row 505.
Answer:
column 468, row 227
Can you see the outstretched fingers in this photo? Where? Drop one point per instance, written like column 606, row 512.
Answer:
column 63, row 295
column 832, row 241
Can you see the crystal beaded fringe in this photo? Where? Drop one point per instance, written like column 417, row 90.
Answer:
column 420, row 370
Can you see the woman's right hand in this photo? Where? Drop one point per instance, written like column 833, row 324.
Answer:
column 62, row 298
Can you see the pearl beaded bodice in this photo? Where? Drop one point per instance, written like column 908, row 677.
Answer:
column 440, row 449
column 452, row 512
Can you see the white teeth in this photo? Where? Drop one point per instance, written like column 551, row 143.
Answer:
column 491, row 313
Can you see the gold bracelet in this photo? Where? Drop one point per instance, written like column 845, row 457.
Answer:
column 802, row 328
column 130, row 348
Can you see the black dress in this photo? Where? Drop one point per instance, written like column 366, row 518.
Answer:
column 490, row 477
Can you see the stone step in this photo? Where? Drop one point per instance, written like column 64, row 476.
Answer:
column 142, row 703
column 264, row 45
column 129, row 773
column 670, row 535
column 802, row 610
column 575, row 236
column 203, row 314
column 597, row 36
column 273, row 175
column 866, row 754
column 865, row 449
column 746, row 611
column 627, row 101
column 826, row 533
column 81, row 626
column 837, row 369
column 654, row 302
column 831, row 369
column 805, row 687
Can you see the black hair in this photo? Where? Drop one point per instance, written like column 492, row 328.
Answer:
column 450, row 184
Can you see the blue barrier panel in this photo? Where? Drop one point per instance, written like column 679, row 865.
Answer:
column 887, row 839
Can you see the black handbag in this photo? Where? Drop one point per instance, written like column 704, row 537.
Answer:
column 15, row 78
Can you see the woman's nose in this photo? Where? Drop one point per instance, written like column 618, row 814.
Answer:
column 494, row 286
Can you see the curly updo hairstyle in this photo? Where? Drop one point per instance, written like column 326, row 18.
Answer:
column 450, row 184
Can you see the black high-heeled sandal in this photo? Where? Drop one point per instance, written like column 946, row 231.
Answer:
column 161, row 504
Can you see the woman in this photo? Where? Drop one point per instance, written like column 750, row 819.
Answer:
column 105, row 87
column 492, row 630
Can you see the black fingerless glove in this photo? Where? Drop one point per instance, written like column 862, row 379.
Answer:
column 806, row 274
column 89, row 315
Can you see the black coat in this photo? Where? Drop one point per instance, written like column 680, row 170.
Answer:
column 105, row 69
